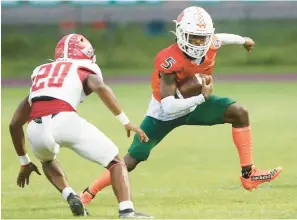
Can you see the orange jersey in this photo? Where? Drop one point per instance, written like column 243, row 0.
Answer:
column 172, row 59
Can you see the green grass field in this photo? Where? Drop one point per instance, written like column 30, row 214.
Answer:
column 193, row 173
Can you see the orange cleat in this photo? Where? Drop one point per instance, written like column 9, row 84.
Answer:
column 86, row 196
column 257, row 176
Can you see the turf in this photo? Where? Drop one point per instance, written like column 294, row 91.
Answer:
column 193, row 173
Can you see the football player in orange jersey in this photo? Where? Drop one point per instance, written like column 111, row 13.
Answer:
column 194, row 52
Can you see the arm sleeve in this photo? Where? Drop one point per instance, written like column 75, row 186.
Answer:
column 171, row 105
column 230, row 38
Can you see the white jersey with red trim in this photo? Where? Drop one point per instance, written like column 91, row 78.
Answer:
column 62, row 80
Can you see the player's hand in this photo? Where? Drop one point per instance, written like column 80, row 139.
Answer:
column 207, row 88
column 24, row 174
column 131, row 127
column 249, row 44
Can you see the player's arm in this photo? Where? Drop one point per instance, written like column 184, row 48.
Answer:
column 20, row 118
column 170, row 104
column 96, row 84
column 226, row 39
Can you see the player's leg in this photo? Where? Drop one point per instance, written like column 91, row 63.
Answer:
column 87, row 141
column 45, row 148
column 220, row 110
column 55, row 174
column 104, row 180
column 139, row 151
column 251, row 177
column 57, row 177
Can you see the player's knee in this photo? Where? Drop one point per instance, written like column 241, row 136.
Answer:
column 131, row 162
column 237, row 115
column 117, row 160
column 242, row 112
column 47, row 163
column 52, row 168
column 241, row 115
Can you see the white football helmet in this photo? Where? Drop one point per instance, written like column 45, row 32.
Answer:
column 194, row 31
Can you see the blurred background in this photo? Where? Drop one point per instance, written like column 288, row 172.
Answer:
column 127, row 34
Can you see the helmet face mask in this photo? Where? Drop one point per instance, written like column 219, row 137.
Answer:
column 194, row 31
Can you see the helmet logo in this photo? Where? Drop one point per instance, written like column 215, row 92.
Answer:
column 201, row 23
column 88, row 50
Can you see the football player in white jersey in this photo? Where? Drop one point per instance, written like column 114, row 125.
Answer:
column 50, row 110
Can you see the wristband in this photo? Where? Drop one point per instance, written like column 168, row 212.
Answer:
column 199, row 99
column 25, row 160
column 123, row 118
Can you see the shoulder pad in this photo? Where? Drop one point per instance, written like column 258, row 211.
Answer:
column 92, row 67
column 36, row 71
column 34, row 74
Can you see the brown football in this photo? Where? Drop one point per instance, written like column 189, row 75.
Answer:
column 191, row 86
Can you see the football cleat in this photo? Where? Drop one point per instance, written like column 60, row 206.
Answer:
column 76, row 205
column 257, row 176
column 130, row 213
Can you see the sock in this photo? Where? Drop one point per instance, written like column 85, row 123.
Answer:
column 245, row 171
column 100, row 183
column 242, row 138
column 126, row 205
column 66, row 192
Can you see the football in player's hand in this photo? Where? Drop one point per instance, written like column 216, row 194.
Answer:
column 191, row 86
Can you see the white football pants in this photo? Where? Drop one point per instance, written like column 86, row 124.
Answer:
column 72, row 131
